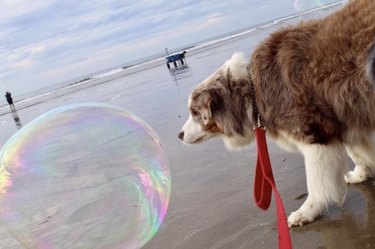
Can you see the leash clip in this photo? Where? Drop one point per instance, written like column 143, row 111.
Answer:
column 259, row 123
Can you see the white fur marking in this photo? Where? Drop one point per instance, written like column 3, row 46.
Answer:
column 192, row 131
column 286, row 142
column 325, row 169
column 237, row 66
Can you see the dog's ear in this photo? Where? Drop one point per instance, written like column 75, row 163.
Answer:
column 210, row 102
column 206, row 106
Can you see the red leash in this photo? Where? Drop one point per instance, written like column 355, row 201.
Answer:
column 263, row 186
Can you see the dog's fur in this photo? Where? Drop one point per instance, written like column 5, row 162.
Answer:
column 314, row 87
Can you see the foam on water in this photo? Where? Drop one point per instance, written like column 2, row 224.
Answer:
column 112, row 72
column 84, row 176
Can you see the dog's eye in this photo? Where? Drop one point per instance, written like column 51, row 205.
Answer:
column 194, row 112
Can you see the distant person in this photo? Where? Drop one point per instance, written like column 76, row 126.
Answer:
column 9, row 98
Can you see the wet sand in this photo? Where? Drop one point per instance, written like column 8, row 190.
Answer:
column 211, row 204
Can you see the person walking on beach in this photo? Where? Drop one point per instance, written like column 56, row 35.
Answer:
column 9, row 98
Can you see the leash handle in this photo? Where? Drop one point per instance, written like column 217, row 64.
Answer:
column 264, row 184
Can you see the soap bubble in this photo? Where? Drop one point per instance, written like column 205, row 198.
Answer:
column 84, row 176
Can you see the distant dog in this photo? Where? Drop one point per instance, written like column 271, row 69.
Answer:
column 314, row 88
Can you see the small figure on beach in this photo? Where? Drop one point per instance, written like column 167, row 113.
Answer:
column 9, row 98
column 177, row 59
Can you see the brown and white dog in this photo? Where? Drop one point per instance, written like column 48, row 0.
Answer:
column 315, row 91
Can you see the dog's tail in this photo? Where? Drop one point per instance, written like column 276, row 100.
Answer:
column 371, row 63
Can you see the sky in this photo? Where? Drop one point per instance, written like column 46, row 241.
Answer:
column 45, row 42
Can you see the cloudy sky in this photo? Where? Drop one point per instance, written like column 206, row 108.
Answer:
column 44, row 42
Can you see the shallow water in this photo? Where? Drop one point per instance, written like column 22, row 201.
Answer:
column 211, row 204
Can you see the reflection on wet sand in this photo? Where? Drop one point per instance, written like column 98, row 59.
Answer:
column 16, row 118
column 180, row 73
column 350, row 230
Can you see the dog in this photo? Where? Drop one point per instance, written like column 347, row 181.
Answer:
column 314, row 90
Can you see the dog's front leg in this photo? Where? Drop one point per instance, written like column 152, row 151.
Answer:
column 325, row 169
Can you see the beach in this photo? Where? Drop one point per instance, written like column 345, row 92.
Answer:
column 211, row 204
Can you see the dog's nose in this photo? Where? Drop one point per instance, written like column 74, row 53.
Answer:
column 181, row 135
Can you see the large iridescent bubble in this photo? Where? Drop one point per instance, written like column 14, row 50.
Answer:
column 84, row 176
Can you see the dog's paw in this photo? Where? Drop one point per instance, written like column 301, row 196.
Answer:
column 299, row 218
column 355, row 176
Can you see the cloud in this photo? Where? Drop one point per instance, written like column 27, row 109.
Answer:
column 38, row 49
column 23, row 63
column 14, row 9
column 22, row 56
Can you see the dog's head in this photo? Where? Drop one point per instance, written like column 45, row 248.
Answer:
column 220, row 106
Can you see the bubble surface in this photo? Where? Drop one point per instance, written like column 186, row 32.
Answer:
column 84, row 176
